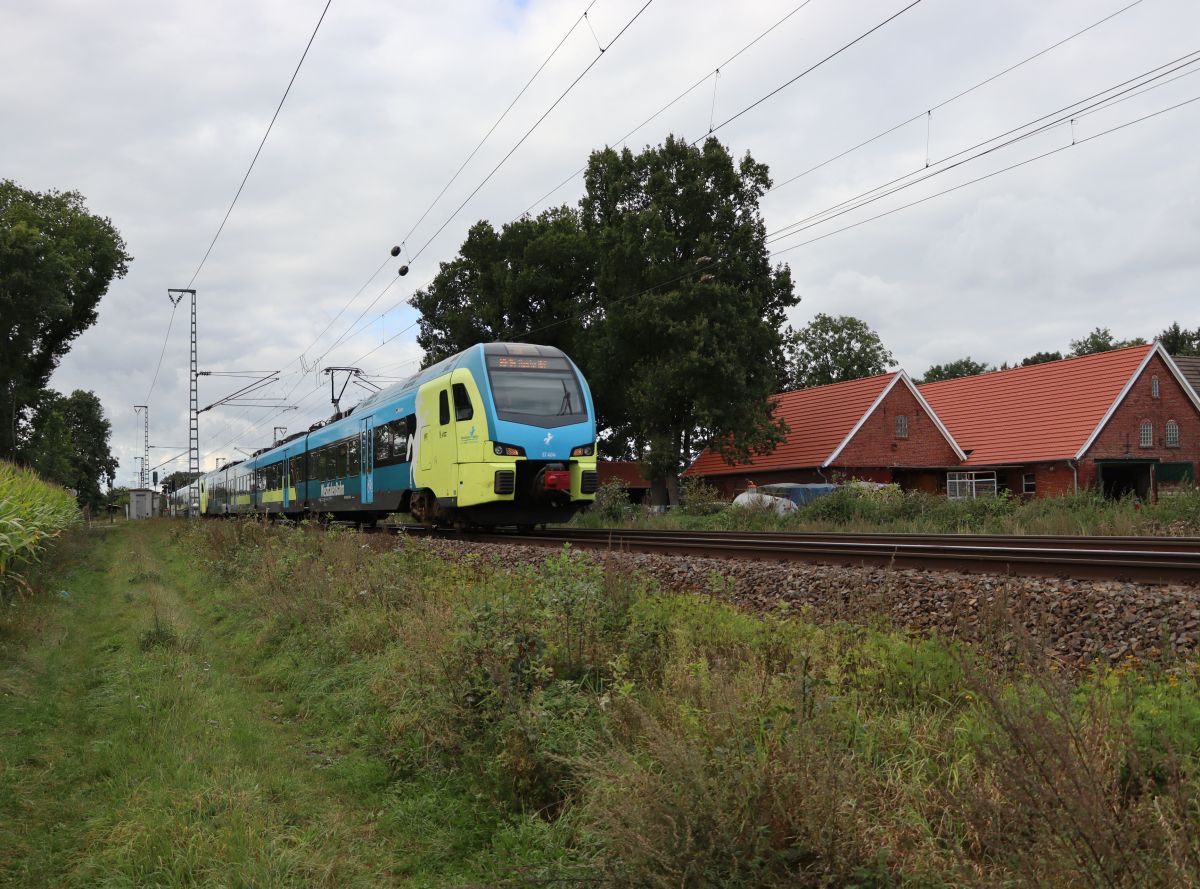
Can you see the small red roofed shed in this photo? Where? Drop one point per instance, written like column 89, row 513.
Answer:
column 628, row 473
column 876, row 429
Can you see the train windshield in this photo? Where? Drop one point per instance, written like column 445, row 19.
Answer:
column 536, row 391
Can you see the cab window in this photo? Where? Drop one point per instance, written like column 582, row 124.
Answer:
column 443, row 408
column 462, row 403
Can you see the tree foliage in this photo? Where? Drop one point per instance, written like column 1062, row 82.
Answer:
column 1041, row 358
column 832, row 349
column 691, row 308
column 69, row 444
column 56, row 262
column 952, row 370
column 1178, row 341
column 1101, row 340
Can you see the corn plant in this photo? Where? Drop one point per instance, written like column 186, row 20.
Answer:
column 32, row 512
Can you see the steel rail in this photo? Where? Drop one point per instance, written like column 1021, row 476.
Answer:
column 1145, row 560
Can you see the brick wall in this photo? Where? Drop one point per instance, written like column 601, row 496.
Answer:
column 1119, row 437
column 875, row 444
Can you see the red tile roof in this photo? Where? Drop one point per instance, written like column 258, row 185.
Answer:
column 818, row 420
column 1028, row 414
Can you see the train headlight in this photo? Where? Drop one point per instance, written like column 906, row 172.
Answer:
column 506, row 450
column 583, row 450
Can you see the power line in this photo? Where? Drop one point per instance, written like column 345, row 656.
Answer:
column 954, row 98
column 503, row 115
column 712, row 265
column 807, row 71
column 254, row 160
column 1100, row 100
column 1022, row 163
column 238, row 194
column 682, row 95
column 158, row 366
column 536, row 124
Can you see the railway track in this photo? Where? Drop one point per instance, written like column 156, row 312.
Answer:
column 1141, row 559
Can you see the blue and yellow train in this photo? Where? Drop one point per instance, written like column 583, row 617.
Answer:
column 500, row 434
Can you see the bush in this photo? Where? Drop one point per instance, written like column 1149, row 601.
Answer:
column 698, row 497
column 612, row 502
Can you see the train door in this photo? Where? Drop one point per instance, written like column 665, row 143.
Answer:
column 285, row 470
column 437, row 453
column 471, row 426
column 366, row 450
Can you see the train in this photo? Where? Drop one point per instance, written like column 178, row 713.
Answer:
column 501, row 434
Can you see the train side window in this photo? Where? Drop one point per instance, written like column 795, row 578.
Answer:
column 383, row 443
column 354, row 466
column 443, row 408
column 462, row 403
column 342, row 450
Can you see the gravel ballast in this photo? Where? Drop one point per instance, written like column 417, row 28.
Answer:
column 1077, row 621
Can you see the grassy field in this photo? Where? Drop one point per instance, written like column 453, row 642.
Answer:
column 864, row 510
column 229, row 704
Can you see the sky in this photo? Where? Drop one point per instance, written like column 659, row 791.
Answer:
column 154, row 110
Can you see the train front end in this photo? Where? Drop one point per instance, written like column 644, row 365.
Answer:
column 518, row 422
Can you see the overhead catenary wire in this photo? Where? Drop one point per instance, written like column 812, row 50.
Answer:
column 241, row 186
column 258, row 151
column 504, row 114
column 961, row 94
column 533, row 128
column 1025, row 131
column 703, row 80
column 1018, row 164
column 833, row 55
column 715, row 263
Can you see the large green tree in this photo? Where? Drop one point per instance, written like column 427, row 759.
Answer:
column 56, row 262
column 687, row 337
column 832, row 349
column 68, row 443
column 529, row 281
column 1178, row 341
column 952, row 370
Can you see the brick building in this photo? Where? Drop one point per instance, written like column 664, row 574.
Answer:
column 1121, row 421
column 877, row 429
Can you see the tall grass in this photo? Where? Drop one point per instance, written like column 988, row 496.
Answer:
column 615, row 735
column 32, row 512
column 853, row 508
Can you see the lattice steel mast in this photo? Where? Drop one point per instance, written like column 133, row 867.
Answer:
column 176, row 294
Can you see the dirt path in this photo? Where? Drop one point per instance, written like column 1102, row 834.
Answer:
column 136, row 750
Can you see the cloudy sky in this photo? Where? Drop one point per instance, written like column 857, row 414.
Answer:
column 153, row 111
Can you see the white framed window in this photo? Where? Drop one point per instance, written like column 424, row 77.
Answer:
column 901, row 426
column 1146, row 435
column 1172, row 434
column 969, row 485
column 1154, row 387
column 1029, row 483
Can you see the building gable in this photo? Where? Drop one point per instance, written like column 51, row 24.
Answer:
column 1119, row 434
column 875, row 442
